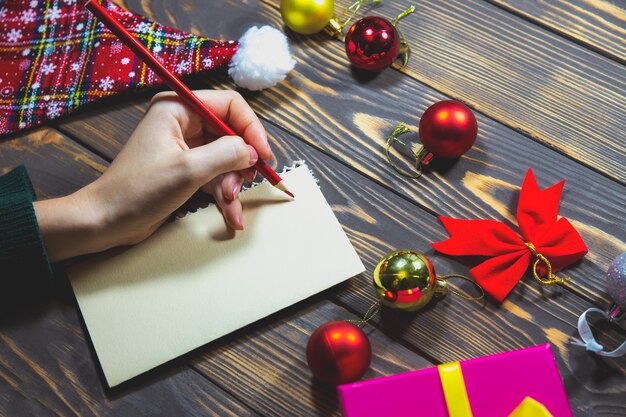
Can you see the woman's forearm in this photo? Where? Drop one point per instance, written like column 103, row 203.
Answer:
column 70, row 226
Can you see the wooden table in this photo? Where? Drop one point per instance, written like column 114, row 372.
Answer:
column 547, row 82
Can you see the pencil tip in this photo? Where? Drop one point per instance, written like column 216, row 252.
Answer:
column 284, row 189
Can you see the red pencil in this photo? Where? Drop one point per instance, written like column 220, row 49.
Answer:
column 177, row 85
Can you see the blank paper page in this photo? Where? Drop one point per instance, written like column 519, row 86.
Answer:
column 196, row 280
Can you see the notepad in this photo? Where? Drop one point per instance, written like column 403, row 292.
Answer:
column 196, row 280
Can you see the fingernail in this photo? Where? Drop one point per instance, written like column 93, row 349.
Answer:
column 236, row 191
column 253, row 155
column 240, row 221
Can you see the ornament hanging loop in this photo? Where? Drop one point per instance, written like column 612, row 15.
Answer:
column 443, row 287
column 354, row 9
column 422, row 156
column 369, row 314
column 551, row 278
column 405, row 51
column 334, row 27
column 402, row 15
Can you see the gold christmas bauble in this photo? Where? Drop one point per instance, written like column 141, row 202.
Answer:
column 306, row 16
column 405, row 280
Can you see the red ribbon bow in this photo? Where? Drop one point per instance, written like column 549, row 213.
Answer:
column 556, row 241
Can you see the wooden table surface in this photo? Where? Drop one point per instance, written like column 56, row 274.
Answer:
column 547, row 82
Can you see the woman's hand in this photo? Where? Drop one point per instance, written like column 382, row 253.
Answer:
column 170, row 155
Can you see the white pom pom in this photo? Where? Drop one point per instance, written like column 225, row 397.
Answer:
column 262, row 59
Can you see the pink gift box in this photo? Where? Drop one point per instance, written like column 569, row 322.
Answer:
column 495, row 385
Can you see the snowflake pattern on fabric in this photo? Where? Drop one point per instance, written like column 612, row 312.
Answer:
column 181, row 67
column 53, row 14
column 54, row 110
column 14, row 35
column 106, row 84
column 48, row 69
column 56, row 57
column 142, row 27
column 28, row 16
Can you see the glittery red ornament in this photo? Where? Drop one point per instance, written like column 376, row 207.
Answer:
column 372, row 43
column 448, row 129
column 338, row 352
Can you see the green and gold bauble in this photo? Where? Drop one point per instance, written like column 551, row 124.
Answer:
column 406, row 280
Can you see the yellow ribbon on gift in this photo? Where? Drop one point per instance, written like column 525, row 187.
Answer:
column 458, row 403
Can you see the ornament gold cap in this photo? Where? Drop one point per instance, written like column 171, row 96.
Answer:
column 405, row 52
column 441, row 287
column 334, row 28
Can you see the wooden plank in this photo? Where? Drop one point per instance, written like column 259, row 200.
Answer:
column 118, row 117
column 596, row 24
column 46, row 365
column 56, row 165
column 557, row 92
column 47, row 368
column 266, row 366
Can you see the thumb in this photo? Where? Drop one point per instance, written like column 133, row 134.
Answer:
column 228, row 153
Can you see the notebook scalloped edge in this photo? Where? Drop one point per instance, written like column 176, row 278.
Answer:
column 286, row 168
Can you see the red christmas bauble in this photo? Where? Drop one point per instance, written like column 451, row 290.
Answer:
column 372, row 43
column 448, row 129
column 338, row 352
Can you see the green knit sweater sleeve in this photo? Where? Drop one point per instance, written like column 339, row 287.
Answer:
column 24, row 264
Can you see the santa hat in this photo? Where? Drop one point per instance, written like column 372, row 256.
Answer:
column 55, row 56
